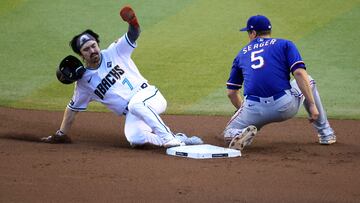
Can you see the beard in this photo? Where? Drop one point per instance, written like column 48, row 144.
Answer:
column 95, row 58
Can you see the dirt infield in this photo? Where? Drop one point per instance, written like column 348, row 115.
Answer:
column 284, row 164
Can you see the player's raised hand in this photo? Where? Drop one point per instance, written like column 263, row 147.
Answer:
column 128, row 15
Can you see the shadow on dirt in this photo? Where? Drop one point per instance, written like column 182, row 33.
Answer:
column 21, row 137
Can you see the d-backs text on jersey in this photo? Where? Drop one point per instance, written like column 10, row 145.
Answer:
column 108, row 81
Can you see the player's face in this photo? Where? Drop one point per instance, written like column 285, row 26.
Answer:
column 90, row 51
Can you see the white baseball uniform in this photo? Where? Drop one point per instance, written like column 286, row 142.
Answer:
column 118, row 84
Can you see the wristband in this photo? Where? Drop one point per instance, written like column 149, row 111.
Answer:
column 60, row 133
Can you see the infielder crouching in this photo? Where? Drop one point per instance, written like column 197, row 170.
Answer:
column 111, row 77
column 263, row 68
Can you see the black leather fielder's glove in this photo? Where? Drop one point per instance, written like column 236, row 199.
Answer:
column 58, row 138
column 70, row 69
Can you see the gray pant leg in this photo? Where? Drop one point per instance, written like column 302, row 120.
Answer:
column 247, row 115
column 260, row 114
column 321, row 124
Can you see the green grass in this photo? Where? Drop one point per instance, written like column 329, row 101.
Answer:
column 333, row 57
column 186, row 48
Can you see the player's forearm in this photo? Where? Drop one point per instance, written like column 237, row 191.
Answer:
column 128, row 15
column 235, row 98
column 303, row 82
column 68, row 119
column 133, row 33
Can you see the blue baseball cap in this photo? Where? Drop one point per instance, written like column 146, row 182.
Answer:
column 257, row 23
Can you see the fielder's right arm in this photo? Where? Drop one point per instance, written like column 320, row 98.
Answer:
column 302, row 79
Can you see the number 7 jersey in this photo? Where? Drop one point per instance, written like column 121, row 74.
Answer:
column 113, row 83
column 264, row 66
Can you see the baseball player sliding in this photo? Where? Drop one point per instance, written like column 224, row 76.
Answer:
column 111, row 77
column 264, row 67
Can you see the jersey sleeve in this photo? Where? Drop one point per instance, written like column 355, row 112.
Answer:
column 123, row 46
column 293, row 57
column 80, row 99
column 236, row 77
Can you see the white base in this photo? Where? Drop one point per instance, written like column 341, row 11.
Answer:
column 204, row 151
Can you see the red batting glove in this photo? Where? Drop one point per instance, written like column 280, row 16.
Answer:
column 128, row 15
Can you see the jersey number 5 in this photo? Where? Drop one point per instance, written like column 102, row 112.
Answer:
column 256, row 59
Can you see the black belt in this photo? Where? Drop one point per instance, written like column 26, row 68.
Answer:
column 275, row 97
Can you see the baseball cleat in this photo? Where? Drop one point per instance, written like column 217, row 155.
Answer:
column 243, row 139
column 327, row 140
column 193, row 140
column 56, row 139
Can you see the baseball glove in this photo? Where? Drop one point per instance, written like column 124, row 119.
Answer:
column 70, row 70
column 128, row 15
column 57, row 138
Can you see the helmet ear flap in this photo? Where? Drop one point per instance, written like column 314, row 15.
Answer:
column 70, row 70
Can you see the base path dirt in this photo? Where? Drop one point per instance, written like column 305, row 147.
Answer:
column 284, row 164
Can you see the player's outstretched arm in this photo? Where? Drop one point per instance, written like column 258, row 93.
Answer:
column 302, row 79
column 128, row 15
column 68, row 120
column 61, row 136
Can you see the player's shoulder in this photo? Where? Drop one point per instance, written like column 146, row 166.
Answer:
column 278, row 41
column 284, row 41
column 107, row 51
column 107, row 55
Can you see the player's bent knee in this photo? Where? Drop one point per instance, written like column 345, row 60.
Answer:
column 135, row 108
column 134, row 135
